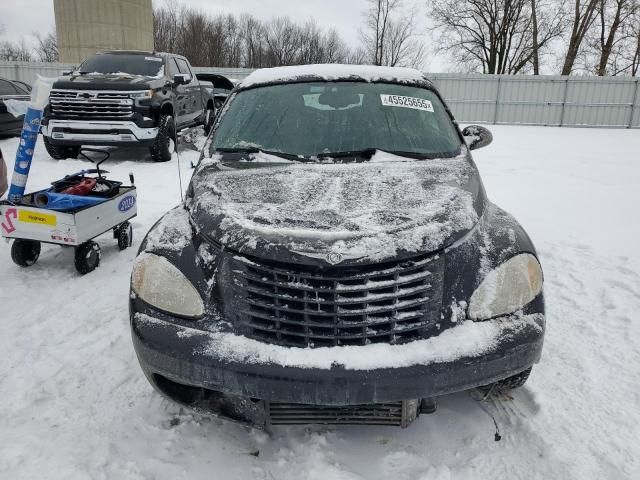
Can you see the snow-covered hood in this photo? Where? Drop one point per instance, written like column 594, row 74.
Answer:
column 336, row 213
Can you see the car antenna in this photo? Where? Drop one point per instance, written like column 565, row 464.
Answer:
column 175, row 148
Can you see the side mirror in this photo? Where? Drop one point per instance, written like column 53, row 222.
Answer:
column 181, row 79
column 477, row 136
column 68, row 71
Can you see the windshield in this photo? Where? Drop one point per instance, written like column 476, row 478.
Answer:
column 321, row 118
column 144, row 65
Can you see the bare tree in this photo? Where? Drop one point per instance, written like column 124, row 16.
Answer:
column 47, row 47
column 495, row 36
column 583, row 16
column 389, row 34
column 613, row 15
column 244, row 41
column 15, row 51
column 166, row 26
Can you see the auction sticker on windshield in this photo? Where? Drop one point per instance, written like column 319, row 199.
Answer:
column 406, row 102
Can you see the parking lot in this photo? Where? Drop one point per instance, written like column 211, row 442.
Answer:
column 74, row 403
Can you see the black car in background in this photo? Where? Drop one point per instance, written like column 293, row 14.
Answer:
column 220, row 88
column 10, row 125
column 336, row 259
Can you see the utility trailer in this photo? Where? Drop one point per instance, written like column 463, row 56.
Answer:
column 29, row 225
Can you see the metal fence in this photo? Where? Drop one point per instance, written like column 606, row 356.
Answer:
column 474, row 98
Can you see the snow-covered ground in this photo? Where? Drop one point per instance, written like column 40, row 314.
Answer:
column 74, row 403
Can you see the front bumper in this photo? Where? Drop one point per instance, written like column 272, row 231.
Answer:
column 454, row 361
column 102, row 132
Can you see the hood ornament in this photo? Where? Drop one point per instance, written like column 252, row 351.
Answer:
column 332, row 258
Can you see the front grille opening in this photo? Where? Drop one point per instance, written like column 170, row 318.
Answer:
column 308, row 306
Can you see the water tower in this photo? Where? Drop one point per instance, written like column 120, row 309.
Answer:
column 84, row 27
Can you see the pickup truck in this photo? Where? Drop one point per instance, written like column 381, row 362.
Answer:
column 124, row 98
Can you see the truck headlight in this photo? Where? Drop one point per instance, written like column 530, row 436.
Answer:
column 159, row 283
column 141, row 94
column 507, row 288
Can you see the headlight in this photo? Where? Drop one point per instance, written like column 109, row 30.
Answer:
column 507, row 288
column 159, row 283
column 141, row 94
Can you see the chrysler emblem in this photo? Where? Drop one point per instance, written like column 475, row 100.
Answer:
column 332, row 258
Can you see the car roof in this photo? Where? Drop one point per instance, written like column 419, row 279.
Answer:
column 333, row 73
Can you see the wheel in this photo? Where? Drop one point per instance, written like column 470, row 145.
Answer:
column 125, row 235
column 209, row 118
column 25, row 252
column 161, row 149
column 509, row 383
column 59, row 152
column 87, row 257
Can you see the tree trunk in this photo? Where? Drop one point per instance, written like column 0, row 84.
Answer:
column 536, row 56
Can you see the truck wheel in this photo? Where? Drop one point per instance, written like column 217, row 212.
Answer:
column 58, row 152
column 509, row 383
column 161, row 149
column 25, row 252
column 87, row 257
column 209, row 117
column 125, row 235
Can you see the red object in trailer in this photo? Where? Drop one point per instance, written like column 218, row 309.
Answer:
column 83, row 188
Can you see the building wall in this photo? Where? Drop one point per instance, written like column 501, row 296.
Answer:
column 84, row 27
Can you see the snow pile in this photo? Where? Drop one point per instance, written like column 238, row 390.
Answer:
column 469, row 339
column 333, row 72
column 374, row 210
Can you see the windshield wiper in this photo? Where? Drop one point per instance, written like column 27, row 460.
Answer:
column 288, row 156
column 366, row 153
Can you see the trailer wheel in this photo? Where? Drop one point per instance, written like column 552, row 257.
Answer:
column 87, row 257
column 25, row 252
column 125, row 235
column 161, row 149
column 58, row 152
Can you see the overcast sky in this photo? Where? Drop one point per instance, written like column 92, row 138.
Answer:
column 21, row 18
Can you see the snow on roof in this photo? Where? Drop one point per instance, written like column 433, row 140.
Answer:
column 333, row 72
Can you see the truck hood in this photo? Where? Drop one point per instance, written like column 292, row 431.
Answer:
column 107, row 82
column 387, row 208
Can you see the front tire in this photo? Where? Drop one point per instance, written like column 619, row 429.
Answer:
column 161, row 149
column 59, row 152
column 25, row 252
column 87, row 257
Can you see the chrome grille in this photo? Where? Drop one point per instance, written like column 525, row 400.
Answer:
column 89, row 104
column 296, row 306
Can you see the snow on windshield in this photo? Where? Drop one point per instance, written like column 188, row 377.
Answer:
column 366, row 209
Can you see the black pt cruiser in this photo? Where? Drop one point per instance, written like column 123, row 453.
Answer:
column 336, row 259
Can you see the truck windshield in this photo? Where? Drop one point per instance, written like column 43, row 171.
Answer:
column 323, row 118
column 134, row 64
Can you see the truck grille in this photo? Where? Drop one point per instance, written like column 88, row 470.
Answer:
column 305, row 307
column 401, row 413
column 90, row 105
